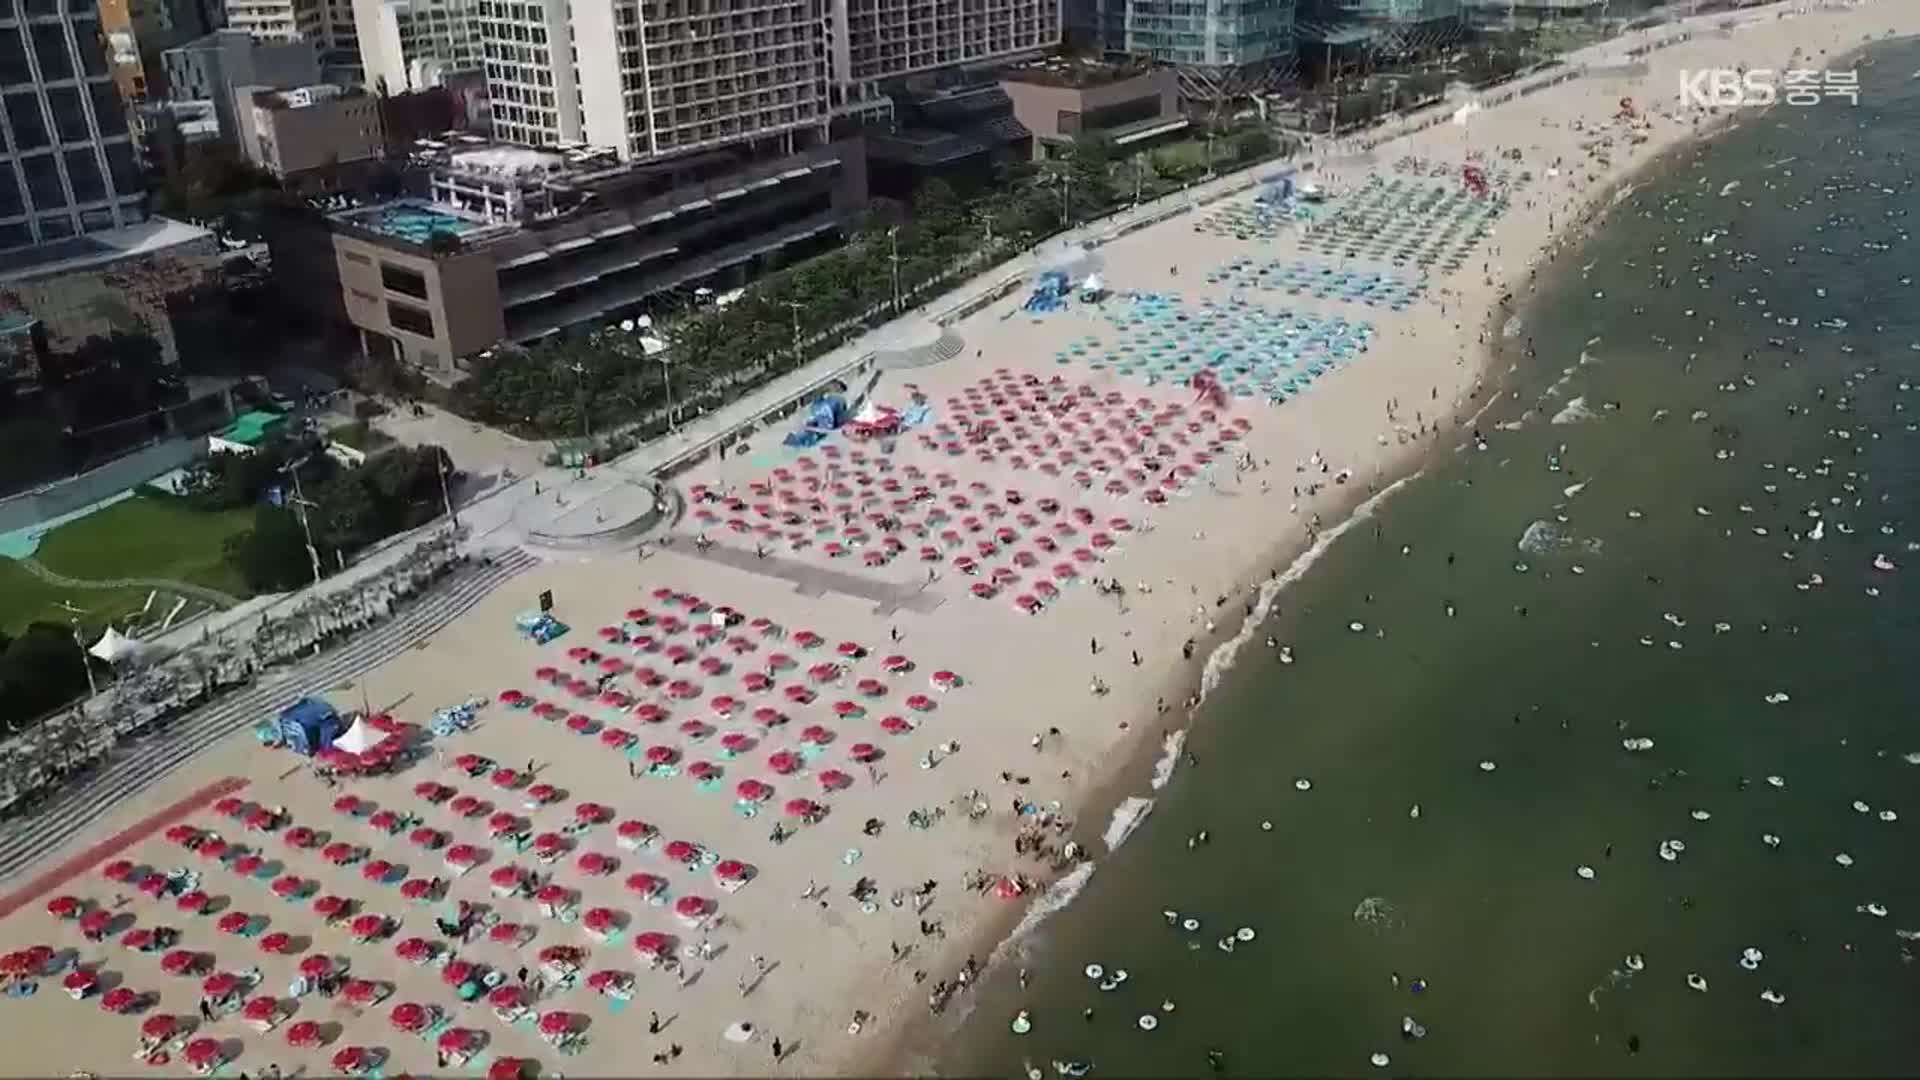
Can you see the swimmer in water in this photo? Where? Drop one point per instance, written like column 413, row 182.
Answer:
column 1216, row 1060
column 1633, row 1044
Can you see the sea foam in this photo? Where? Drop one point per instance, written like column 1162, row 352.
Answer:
column 1058, row 896
column 1126, row 817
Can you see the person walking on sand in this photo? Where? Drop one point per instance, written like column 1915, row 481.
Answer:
column 653, row 1023
column 776, row 1048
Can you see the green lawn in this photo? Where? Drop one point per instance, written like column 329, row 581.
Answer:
column 148, row 536
column 25, row 599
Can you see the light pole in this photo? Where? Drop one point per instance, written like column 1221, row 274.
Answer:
column 666, row 376
column 300, row 505
column 793, row 308
column 893, row 255
column 446, row 496
column 86, row 658
column 580, row 385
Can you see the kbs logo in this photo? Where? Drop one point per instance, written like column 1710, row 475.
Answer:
column 1726, row 88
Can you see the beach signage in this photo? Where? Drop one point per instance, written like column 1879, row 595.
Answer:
column 1731, row 88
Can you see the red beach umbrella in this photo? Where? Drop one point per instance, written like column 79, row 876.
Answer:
column 120, row 999
column 425, row 838
column 408, row 1017
column 64, row 907
column 368, row 926
column 180, row 962
column 248, row 864
column 504, row 822
column 633, row 830
column 661, row 755
column 592, row 813
column 652, row 943
column 348, row 804
column 650, row 713
column 504, row 933
column 506, row 996
column 414, row 950
column 376, row 870
column 360, row 991
column 277, row 943
column 220, row 984
column 80, row 980
column 299, row 837
column 691, row 907
column 556, row 1023
column 385, row 820
column 645, row 884
column 117, row 870
column 288, row 886
column 230, row 807
column 553, row 895
column 201, row 1053
column 505, row 877
column 154, row 885
column 339, row 853
column 595, row 864
column 504, row 778
column 158, row 1027
column 330, row 906
column 416, row 889
column 767, row 716
column 235, row 922
column 464, row 855
column 681, row 850
column 508, row 1068
column 600, row 920
column 140, row 939
column 801, row 808
column 543, row 793
column 731, row 870
column 303, row 1033
column 351, row 1059
column 458, row 973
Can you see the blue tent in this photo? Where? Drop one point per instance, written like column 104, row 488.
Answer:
column 309, row 726
column 824, row 417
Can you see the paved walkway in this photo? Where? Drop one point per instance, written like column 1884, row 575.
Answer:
column 809, row 580
column 198, row 592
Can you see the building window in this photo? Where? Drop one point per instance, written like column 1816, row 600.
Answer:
column 50, row 48
column 357, row 257
column 96, row 220
column 13, row 58
column 16, row 235
column 11, row 204
column 69, row 116
column 411, row 319
column 402, row 280
column 83, row 174
column 55, row 228
column 108, row 111
column 43, row 182
column 29, row 124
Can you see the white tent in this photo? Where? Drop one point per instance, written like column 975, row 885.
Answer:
column 113, row 647
column 1092, row 284
column 359, row 738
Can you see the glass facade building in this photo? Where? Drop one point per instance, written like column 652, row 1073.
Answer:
column 70, row 166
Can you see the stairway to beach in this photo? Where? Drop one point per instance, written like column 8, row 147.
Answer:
column 137, row 764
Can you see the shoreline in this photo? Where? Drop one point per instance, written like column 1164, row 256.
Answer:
column 1148, row 764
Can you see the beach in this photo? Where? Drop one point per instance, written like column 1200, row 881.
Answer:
column 799, row 964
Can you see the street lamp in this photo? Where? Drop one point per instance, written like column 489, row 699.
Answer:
column 301, row 504
column 86, row 658
column 586, row 423
column 893, row 254
column 793, row 307
column 445, row 496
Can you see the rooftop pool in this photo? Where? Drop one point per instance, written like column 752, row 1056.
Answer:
column 412, row 221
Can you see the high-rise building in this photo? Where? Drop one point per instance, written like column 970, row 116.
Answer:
column 1347, row 32
column 415, row 44
column 138, row 31
column 878, row 40
column 653, row 78
column 327, row 24
column 69, row 163
column 210, row 68
column 1222, row 49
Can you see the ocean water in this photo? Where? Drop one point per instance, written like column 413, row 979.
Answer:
column 1593, row 575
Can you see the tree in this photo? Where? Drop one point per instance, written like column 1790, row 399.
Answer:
column 272, row 556
column 40, row 670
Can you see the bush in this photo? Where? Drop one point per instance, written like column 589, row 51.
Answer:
column 40, row 670
column 272, row 556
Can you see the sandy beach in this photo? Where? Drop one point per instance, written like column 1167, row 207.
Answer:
column 782, row 942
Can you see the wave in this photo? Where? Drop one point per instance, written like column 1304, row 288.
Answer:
column 1169, row 757
column 1545, row 537
column 1126, row 817
column 1574, row 412
column 1058, row 896
column 1220, row 661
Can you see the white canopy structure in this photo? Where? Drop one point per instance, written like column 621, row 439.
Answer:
column 114, row 647
column 1092, row 284
column 359, row 738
